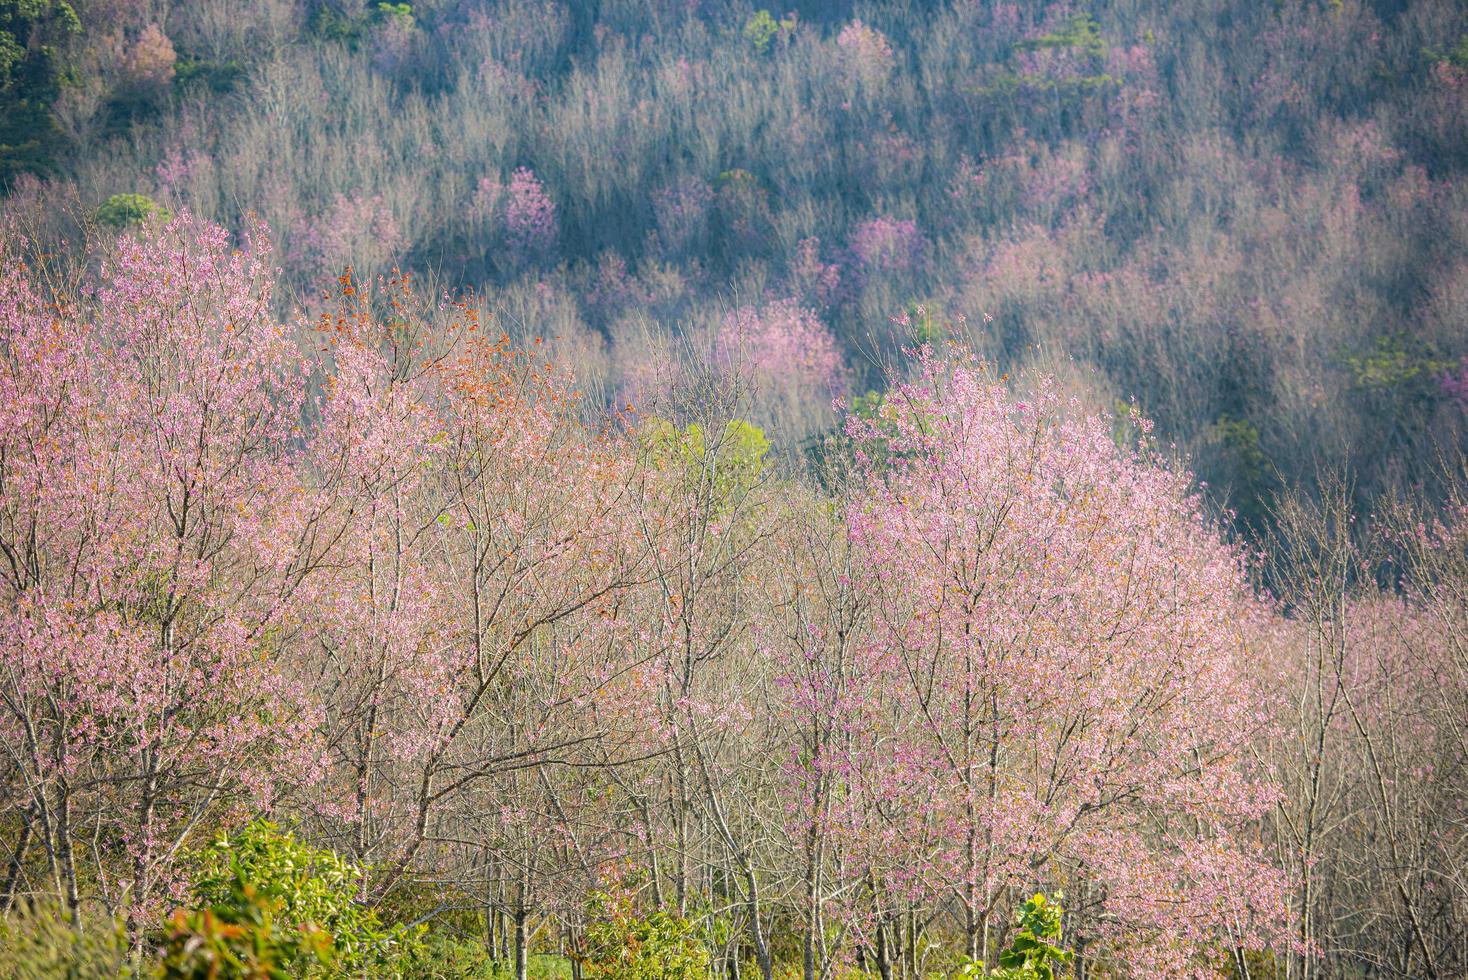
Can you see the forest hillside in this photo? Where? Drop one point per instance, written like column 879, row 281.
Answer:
column 667, row 489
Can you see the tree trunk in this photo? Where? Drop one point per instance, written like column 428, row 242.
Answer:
column 522, row 954
column 884, row 955
column 17, row 862
column 756, row 929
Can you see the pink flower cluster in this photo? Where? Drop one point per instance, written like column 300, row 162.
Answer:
column 814, row 280
column 866, row 55
column 783, row 343
column 531, row 227
column 888, row 245
column 1001, row 532
column 358, row 229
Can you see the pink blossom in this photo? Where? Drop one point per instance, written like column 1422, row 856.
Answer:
column 530, row 216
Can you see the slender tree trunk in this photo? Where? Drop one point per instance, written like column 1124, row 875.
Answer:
column 812, row 912
column 17, row 862
column 912, row 942
column 756, row 928
column 681, row 810
column 503, row 952
column 68, row 861
column 522, row 953
column 884, row 955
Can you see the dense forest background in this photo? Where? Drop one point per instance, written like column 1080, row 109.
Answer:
column 1246, row 218
column 669, row 489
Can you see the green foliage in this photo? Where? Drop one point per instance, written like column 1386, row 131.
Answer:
column 1391, row 363
column 1127, row 430
column 330, row 24
column 762, row 28
column 402, row 13
column 1238, row 441
column 1082, row 34
column 242, row 937
column 32, row 33
column 305, row 888
column 1458, row 55
column 218, row 77
column 19, row 19
column 442, row 955
column 729, row 466
column 121, row 210
column 37, row 943
column 1035, row 953
column 868, row 405
column 1081, row 31
column 1255, row 964
column 621, row 945
column 739, row 184
column 1240, row 438
column 927, row 323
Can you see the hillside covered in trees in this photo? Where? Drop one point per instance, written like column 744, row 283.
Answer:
column 658, row 488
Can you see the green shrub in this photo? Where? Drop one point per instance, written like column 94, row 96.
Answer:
column 122, row 210
column 218, row 77
column 34, row 36
column 1395, row 362
column 1081, row 32
column 37, row 943
column 349, row 28
column 400, row 12
column 241, row 937
column 621, row 945
column 732, row 465
column 443, row 956
column 762, row 28
column 305, row 888
column 1035, row 952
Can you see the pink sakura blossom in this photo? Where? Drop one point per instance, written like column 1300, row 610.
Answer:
column 866, row 55
column 888, row 245
column 356, row 230
column 682, row 211
column 784, row 344
column 148, row 438
column 1014, row 655
column 530, row 216
column 1013, row 549
column 515, row 221
column 813, row 280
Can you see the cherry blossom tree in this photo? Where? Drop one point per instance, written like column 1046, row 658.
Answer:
column 1058, row 629
column 155, row 539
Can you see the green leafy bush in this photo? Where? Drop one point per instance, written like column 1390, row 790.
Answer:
column 732, row 464
column 1395, row 362
column 1035, row 953
column 762, row 28
column 122, row 210
column 1081, row 32
column 38, row 943
column 621, row 945
column 331, row 24
column 305, row 888
column 217, row 77
column 241, row 937
column 33, row 38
